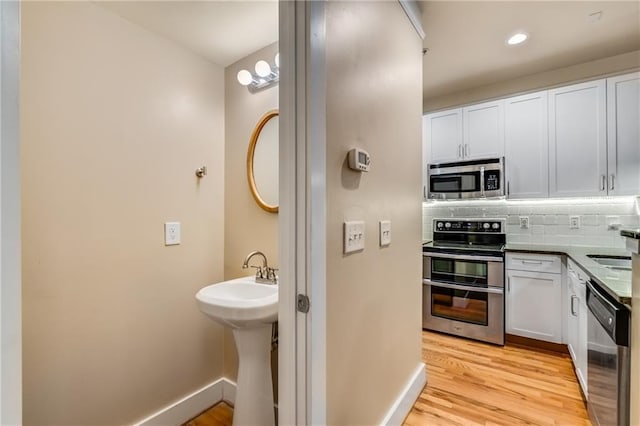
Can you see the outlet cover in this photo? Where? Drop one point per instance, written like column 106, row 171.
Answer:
column 171, row 233
column 353, row 236
column 385, row 233
column 524, row 222
column 574, row 222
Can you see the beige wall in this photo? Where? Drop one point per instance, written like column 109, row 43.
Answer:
column 247, row 226
column 114, row 122
column 612, row 65
column 374, row 100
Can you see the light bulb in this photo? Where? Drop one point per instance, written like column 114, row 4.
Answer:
column 244, row 77
column 517, row 38
column 277, row 60
column 262, row 68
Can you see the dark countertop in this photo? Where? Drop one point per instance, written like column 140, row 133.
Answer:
column 617, row 283
column 631, row 233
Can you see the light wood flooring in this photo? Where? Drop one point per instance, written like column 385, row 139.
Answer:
column 472, row 383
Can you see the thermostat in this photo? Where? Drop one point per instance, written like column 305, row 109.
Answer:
column 359, row 160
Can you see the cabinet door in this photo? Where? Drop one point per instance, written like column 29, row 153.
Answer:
column 484, row 130
column 581, row 352
column 577, row 140
column 527, row 146
column 623, row 127
column 572, row 320
column 444, row 136
column 533, row 305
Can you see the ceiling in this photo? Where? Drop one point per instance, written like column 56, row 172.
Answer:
column 220, row 31
column 466, row 39
column 467, row 49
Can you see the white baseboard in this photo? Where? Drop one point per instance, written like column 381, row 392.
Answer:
column 191, row 405
column 403, row 404
column 229, row 391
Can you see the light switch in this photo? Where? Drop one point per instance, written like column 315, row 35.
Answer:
column 353, row 236
column 171, row 233
column 524, row 222
column 385, row 233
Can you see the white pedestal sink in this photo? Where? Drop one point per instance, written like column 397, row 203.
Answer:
column 249, row 309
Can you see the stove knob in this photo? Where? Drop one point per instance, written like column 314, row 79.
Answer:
column 447, row 225
column 496, row 226
column 486, row 226
column 439, row 225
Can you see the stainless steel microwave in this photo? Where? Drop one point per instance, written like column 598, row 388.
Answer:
column 467, row 179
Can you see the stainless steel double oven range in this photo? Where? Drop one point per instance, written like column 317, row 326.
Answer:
column 463, row 279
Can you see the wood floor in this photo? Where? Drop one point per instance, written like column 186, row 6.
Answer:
column 472, row 383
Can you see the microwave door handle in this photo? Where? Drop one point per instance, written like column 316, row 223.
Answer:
column 482, row 182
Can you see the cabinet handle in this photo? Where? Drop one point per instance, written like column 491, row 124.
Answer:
column 460, row 150
column 509, row 284
column 533, row 262
column 612, row 182
column 603, row 186
column 466, row 150
column 424, row 192
column 508, row 188
column 573, row 312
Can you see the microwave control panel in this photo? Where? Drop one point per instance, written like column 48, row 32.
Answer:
column 492, row 180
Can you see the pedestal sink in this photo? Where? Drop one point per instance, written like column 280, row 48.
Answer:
column 249, row 309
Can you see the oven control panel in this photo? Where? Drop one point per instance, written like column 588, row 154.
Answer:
column 486, row 225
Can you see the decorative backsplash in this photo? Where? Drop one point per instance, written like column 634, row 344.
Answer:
column 549, row 220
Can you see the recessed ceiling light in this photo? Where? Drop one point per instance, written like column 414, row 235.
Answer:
column 517, row 38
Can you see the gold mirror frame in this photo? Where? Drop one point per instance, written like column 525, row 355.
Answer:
column 252, row 148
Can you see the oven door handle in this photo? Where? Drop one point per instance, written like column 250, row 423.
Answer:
column 435, row 255
column 492, row 290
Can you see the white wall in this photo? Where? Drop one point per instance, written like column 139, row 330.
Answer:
column 10, row 273
column 548, row 219
column 115, row 120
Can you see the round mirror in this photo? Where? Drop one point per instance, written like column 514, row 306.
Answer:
column 262, row 162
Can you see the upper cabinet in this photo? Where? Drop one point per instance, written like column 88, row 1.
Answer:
column 443, row 136
column 469, row 133
column 527, row 146
column 483, row 130
column 577, row 140
column 581, row 140
column 623, row 136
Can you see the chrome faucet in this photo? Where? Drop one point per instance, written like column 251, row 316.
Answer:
column 264, row 274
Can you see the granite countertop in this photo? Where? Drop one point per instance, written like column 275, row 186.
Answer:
column 631, row 233
column 617, row 283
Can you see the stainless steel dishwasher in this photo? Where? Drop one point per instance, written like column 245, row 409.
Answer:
column 608, row 365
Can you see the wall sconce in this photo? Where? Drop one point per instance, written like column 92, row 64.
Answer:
column 265, row 75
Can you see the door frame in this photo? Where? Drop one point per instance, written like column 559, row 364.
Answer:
column 10, row 246
column 302, row 214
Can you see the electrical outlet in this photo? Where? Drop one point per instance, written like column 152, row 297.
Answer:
column 524, row 222
column 353, row 236
column 385, row 233
column 613, row 223
column 171, row 233
column 574, row 222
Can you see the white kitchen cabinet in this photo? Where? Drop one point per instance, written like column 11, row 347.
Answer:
column 623, row 134
column 527, row 146
column 534, row 299
column 577, row 140
column 443, row 136
column 483, row 130
column 577, row 321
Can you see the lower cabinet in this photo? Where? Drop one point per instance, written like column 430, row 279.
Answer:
column 534, row 298
column 577, row 321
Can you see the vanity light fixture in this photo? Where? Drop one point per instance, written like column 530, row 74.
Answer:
column 265, row 75
column 517, row 38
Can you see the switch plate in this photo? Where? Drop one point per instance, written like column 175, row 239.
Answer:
column 171, row 233
column 353, row 236
column 385, row 233
column 524, row 222
column 574, row 222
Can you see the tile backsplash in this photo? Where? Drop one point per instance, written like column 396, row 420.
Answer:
column 549, row 220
